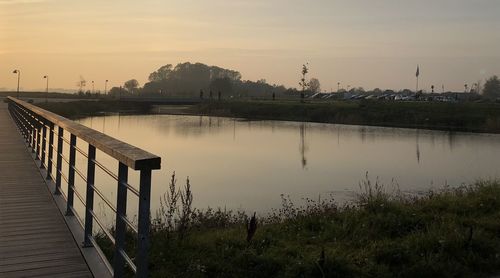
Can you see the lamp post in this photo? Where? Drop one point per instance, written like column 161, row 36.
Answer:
column 47, row 88
column 338, row 87
column 18, row 78
column 92, row 87
column 106, row 87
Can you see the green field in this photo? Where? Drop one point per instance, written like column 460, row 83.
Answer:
column 84, row 108
column 468, row 116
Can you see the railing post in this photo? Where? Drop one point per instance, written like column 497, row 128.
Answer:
column 60, row 135
column 20, row 118
column 89, row 206
column 144, row 222
column 71, row 175
column 14, row 116
column 32, row 132
column 35, row 139
column 121, row 227
column 39, row 141
column 44, row 143
column 26, row 123
column 51, row 152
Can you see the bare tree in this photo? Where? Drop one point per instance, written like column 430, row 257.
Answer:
column 303, row 83
column 81, row 84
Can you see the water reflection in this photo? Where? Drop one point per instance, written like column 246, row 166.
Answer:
column 418, row 148
column 303, row 145
column 235, row 163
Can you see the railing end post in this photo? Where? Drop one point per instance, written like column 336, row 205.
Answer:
column 144, row 223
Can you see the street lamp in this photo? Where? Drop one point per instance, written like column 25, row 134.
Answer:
column 106, row 87
column 47, row 88
column 92, row 86
column 18, row 78
column 338, row 87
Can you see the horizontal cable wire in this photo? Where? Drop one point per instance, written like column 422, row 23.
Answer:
column 130, row 224
column 80, row 174
column 129, row 261
column 110, row 205
column 78, row 195
column 81, row 152
column 106, row 170
column 131, row 188
column 104, row 229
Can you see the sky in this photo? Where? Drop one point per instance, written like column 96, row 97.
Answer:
column 361, row 43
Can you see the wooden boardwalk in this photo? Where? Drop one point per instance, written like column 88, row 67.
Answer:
column 34, row 238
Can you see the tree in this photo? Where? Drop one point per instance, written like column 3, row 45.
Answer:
column 303, row 83
column 131, row 85
column 491, row 88
column 314, row 85
column 161, row 74
column 81, row 84
column 222, row 85
column 115, row 92
column 188, row 79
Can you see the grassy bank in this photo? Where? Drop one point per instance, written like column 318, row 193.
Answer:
column 79, row 109
column 450, row 233
column 475, row 117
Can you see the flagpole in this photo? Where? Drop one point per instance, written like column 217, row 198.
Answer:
column 416, row 91
column 417, row 75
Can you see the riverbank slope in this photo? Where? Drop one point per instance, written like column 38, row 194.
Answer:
column 472, row 117
column 449, row 233
column 468, row 117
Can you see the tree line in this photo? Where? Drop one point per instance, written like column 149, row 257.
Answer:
column 197, row 79
column 200, row 80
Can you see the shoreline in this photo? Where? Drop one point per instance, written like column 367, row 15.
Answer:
column 459, row 117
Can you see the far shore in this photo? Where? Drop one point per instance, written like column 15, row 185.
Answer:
column 464, row 117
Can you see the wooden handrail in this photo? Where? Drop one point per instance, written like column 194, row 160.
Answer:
column 127, row 154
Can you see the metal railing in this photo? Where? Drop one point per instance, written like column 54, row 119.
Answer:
column 35, row 124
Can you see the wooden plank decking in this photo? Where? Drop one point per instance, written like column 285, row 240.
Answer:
column 34, row 238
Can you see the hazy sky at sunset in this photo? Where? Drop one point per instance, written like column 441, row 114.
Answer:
column 357, row 42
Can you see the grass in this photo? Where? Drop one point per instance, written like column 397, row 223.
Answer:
column 454, row 232
column 467, row 116
column 83, row 108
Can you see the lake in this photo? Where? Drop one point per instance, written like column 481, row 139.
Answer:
column 247, row 165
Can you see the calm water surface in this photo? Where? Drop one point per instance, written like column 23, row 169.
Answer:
column 247, row 165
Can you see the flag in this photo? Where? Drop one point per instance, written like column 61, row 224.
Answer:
column 418, row 71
